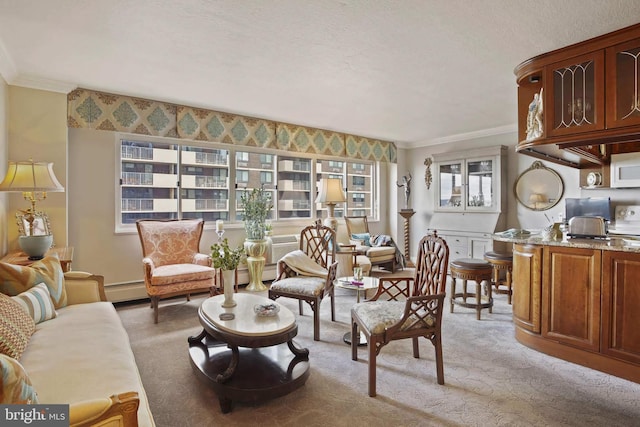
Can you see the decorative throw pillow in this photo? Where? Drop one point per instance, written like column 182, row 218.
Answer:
column 365, row 237
column 15, row 385
column 37, row 302
column 15, row 279
column 16, row 327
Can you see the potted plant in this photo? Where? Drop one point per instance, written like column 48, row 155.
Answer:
column 256, row 205
column 227, row 260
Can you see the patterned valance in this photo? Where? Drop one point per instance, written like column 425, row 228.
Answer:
column 103, row 111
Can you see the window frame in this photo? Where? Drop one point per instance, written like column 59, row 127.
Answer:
column 232, row 188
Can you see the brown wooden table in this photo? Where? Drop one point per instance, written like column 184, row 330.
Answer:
column 20, row 258
column 248, row 358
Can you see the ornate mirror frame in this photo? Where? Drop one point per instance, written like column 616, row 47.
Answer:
column 538, row 188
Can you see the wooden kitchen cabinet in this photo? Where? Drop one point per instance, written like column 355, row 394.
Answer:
column 620, row 305
column 623, row 102
column 591, row 100
column 571, row 296
column 574, row 97
column 527, row 286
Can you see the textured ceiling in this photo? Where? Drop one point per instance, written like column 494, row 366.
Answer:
column 414, row 72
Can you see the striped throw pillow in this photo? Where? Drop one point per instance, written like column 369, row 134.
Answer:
column 37, row 302
column 16, row 327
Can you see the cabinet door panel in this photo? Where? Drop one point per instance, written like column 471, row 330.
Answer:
column 620, row 302
column 527, row 271
column 574, row 101
column 571, row 294
column 623, row 84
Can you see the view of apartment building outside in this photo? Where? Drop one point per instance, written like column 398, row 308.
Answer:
column 165, row 181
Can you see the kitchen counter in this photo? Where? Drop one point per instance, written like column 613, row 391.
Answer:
column 577, row 299
column 613, row 243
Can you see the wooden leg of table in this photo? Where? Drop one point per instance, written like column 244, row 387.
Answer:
column 233, row 364
column 299, row 352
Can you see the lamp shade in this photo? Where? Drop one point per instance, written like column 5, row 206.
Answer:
column 30, row 176
column 330, row 191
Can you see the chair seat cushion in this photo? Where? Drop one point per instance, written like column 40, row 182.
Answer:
column 180, row 273
column 302, row 285
column 377, row 316
column 381, row 251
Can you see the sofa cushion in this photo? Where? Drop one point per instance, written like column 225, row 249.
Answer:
column 15, row 385
column 37, row 302
column 15, row 279
column 16, row 327
column 84, row 354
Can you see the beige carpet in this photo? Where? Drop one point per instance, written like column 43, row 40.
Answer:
column 490, row 379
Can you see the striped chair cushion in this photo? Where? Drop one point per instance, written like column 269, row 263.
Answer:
column 37, row 302
column 16, row 327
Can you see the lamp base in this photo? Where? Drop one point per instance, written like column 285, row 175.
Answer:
column 331, row 222
column 35, row 246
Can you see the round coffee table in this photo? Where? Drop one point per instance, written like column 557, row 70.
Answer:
column 237, row 356
column 346, row 283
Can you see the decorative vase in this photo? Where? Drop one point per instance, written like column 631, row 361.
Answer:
column 255, row 250
column 35, row 246
column 228, row 285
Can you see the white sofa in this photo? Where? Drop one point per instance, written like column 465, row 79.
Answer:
column 83, row 357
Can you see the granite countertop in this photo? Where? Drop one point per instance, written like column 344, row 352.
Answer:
column 612, row 243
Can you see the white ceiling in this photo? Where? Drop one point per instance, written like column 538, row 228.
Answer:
column 410, row 71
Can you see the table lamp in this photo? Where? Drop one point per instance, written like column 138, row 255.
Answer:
column 34, row 180
column 331, row 193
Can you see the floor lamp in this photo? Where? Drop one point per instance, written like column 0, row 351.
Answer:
column 331, row 193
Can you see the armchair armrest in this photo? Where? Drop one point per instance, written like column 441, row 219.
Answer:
column 118, row 410
column 83, row 287
column 202, row 259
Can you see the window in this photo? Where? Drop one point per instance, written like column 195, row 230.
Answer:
column 168, row 181
column 266, row 177
column 242, row 176
column 164, row 180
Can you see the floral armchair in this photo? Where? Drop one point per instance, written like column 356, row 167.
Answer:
column 172, row 262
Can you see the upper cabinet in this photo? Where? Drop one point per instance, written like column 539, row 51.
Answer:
column 470, row 181
column 579, row 104
column 623, row 92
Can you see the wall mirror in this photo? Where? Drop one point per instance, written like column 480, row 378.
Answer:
column 539, row 188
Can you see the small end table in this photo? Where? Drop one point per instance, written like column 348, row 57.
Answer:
column 367, row 283
column 65, row 253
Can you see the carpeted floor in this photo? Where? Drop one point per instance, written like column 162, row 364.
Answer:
column 490, row 379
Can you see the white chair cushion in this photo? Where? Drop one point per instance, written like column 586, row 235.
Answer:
column 302, row 285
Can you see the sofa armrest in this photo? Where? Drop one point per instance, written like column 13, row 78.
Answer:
column 83, row 287
column 118, row 410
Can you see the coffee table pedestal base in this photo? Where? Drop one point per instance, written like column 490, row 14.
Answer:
column 262, row 373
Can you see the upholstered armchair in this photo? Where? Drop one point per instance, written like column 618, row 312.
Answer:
column 359, row 235
column 172, row 262
column 308, row 273
column 406, row 308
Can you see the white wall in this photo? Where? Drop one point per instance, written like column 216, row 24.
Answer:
column 4, row 135
column 37, row 124
column 98, row 249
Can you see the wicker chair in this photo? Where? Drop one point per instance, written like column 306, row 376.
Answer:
column 172, row 262
column 412, row 309
column 318, row 243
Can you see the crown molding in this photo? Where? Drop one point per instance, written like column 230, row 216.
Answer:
column 35, row 82
column 500, row 130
